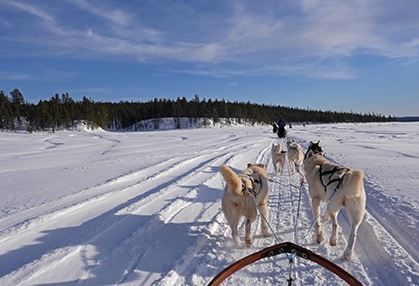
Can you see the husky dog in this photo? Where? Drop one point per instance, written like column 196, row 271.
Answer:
column 345, row 187
column 295, row 156
column 241, row 193
column 257, row 168
column 315, row 147
column 278, row 157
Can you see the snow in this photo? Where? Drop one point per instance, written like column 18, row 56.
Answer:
column 144, row 208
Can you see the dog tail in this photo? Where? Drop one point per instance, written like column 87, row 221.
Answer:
column 356, row 181
column 233, row 181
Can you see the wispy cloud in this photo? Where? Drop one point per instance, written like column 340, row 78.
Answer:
column 310, row 38
column 33, row 10
column 114, row 15
column 13, row 76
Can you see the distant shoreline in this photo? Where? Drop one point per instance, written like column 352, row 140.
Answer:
column 407, row 118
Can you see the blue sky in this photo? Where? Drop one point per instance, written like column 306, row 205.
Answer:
column 360, row 56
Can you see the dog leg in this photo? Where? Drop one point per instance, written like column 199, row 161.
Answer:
column 232, row 214
column 355, row 211
column 235, row 234
column 334, row 236
column 333, row 209
column 315, row 202
column 349, row 251
column 248, row 238
column 264, row 211
column 291, row 166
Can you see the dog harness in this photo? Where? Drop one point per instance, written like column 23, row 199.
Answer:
column 252, row 190
column 332, row 173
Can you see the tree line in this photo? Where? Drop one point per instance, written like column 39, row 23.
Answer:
column 62, row 112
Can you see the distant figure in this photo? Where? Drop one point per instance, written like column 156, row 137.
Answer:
column 282, row 123
column 281, row 129
column 275, row 128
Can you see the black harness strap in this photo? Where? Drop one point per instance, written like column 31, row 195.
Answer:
column 252, row 190
column 332, row 172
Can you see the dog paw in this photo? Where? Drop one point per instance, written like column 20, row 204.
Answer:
column 347, row 257
column 320, row 238
column 332, row 242
column 238, row 244
column 266, row 234
column 249, row 242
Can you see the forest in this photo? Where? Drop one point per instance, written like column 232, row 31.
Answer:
column 62, row 112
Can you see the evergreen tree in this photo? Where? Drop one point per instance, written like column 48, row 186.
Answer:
column 6, row 113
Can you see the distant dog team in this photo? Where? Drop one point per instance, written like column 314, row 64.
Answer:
column 295, row 156
column 278, row 157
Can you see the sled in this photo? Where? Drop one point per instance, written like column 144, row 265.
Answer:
column 282, row 248
column 282, row 132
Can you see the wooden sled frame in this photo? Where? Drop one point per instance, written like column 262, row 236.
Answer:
column 286, row 247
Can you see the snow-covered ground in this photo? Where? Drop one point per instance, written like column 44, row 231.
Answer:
column 143, row 208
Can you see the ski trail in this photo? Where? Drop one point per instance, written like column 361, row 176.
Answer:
column 162, row 224
column 283, row 204
column 106, row 219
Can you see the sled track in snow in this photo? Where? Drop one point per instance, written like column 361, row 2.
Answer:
column 131, row 204
column 123, row 236
column 369, row 247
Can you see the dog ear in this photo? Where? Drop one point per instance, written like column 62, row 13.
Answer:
column 249, row 165
column 262, row 165
column 310, row 153
column 318, row 142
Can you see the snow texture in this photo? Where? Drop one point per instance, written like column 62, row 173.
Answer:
column 144, row 208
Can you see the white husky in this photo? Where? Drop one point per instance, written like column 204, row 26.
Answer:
column 237, row 200
column 345, row 187
column 295, row 156
column 278, row 157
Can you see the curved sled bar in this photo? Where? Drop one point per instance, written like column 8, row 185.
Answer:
column 286, row 247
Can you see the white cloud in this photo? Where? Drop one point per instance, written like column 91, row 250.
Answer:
column 34, row 11
column 116, row 16
column 310, row 38
column 13, row 76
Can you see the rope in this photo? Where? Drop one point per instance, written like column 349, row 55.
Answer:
column 290, row 256
column 320, row 214
column 289, row 280
column 298, row 212
column 263, row 217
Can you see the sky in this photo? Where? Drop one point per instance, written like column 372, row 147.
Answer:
column 359, row 56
